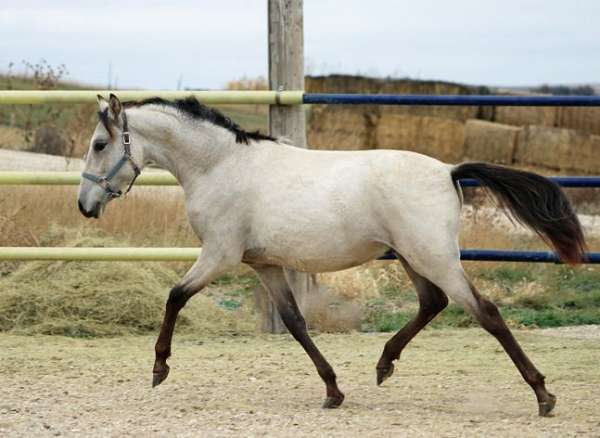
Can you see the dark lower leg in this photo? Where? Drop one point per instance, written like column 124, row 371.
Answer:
column 274, row 280
column 431, row 302
column 293, row 320
column 175, row 303
column 490, row 319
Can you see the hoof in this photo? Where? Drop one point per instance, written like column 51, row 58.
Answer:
column 333, row 402
column 384, row 372
column 545, row 407
column 159, row 376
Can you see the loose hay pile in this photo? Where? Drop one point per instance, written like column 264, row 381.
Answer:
column 86, row 299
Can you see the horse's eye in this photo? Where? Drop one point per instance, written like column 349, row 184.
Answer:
column 99, row 145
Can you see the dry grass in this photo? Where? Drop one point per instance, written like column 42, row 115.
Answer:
column 328, row 312
column 148, row 216
column 12, row 137
column 106, row 298
column 245, row 83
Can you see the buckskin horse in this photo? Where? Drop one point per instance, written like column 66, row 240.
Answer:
column 254, row 199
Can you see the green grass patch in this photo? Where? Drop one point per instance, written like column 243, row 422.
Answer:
column 386, row 321
column 551, row 317
column 585, row 280
column 507, row 275
column 230, row 304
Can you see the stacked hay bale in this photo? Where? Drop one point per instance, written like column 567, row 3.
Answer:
column 437, row 131
column 487, row 141
column 526, row 115
column 443, row 138
column 341, row 128
column 581, row 119
column 557, row 148
column 548, row 138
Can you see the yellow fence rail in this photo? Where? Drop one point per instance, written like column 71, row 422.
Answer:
column 73, row 178
column 36, row 97
column 91, row 254
column 99, row 254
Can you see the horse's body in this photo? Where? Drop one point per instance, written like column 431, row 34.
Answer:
column 278, row 208
column 362, row 202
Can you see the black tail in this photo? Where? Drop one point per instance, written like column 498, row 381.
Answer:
column 533, row 201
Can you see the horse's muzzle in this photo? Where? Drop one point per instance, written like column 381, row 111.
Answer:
column 95, row 212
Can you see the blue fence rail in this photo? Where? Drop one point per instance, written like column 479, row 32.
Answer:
column 500, row 255
column 449, row 100
column 563, row 181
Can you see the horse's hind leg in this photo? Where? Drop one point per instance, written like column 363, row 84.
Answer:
column 273, row 278
column 431, row 302
column 490, row 319
column 453, row 281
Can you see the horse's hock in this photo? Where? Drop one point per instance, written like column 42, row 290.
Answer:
column 506, row 135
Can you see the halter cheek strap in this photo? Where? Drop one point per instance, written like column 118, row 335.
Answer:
column 104, row 181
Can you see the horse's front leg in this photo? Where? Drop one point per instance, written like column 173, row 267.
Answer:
column 208, row 266
column 276, row 284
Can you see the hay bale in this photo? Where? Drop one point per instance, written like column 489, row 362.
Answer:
column 557, row 148
column 489, row 141
column 461, row 113
column 340, row 128
column 361, row 84
column 341, row 84
column 583, row 119
column 526, row 115
column 429, row 88
column 440, row 138
column 88, row 299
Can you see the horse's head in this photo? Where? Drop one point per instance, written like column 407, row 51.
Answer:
column 110, row 164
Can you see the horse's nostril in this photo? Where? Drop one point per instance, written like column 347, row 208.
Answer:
column 83, row 211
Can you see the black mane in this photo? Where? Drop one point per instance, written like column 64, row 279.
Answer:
column 196, row 110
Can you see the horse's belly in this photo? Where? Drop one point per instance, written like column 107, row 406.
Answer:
column 316, row 258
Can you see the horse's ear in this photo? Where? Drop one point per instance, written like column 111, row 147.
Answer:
column 102, row 103
column 115, row 105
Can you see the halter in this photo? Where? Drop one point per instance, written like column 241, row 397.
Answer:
column 104, row 181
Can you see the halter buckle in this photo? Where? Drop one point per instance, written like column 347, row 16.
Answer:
column 126, row 138
column 103, row 182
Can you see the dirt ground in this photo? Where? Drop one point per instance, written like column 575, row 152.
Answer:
column 449, row 383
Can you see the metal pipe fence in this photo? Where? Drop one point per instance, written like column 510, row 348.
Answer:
column 34, row 97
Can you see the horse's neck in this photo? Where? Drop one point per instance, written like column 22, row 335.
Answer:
column 188, row 149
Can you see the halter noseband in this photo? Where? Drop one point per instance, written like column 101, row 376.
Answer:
column 104, row 181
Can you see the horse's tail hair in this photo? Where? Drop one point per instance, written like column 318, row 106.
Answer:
column 533, row 201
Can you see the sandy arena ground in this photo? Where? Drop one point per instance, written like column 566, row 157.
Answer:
column 449, row 383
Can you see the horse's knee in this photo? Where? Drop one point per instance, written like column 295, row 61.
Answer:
column 177, row 297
